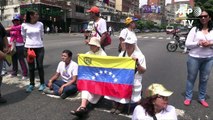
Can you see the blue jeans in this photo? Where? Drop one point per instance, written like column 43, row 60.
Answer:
column 68, row 90
column 195, row 65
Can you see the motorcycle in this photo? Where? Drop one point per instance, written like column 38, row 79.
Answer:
column 177, row 41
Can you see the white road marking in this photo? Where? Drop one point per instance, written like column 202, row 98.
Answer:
column 23, row 83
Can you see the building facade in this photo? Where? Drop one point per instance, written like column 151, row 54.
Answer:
column 63, row 14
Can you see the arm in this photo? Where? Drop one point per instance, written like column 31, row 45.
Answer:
column 190, row 43
column 52, row 79
column 73, row 80
column 14, row 28
column 23, row 32
column 141, row 64
column 42, row 31
column 140, row 68
column 6, row 48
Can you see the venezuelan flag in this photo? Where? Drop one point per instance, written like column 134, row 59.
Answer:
column 106, row 75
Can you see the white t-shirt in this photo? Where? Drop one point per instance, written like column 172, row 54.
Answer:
column 100, row 52
column 67, row 72
column 137, row 85
column 101, row 27
column 125, row 33
column 192, row 40
column 33, row 34
column 168, row 114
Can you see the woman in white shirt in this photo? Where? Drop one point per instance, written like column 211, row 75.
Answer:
column 200, row 59
column 86, row 96
column 33, row 33
column 155, row 105
column 131, row 51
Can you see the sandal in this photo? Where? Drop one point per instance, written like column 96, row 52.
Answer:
column 120, row 109
column 79, row 112
column 114, row 108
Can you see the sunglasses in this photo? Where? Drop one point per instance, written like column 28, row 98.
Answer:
column 205, row 16
column 163, row 97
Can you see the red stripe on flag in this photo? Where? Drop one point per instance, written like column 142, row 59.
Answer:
column 105, row 89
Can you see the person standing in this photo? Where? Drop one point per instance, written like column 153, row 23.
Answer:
column 100, row 26
column 33, row 33
column 129, row 30
column 3, row 51
column 200, row 58
column 110, row 30
column 48, row 30
column 17, row 40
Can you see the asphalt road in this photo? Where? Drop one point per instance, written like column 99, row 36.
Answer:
column 163, row 67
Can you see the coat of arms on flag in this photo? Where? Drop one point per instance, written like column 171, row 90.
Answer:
column 106, row 75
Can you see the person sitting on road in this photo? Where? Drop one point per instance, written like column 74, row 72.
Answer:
column 140, row 68
column 95, row 49
column 155, row 105
column 68, row 71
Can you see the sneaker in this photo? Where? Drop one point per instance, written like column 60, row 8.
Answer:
column 187, row 102
column 12, row 76
column 48, row 91
column 3, row 73
column 2, row 100
column 42, row 87
column 64, row 96
column 204, row 103
column 30, row 88
column 24, row 78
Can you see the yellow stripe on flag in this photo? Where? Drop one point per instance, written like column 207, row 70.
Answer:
column 106, row 61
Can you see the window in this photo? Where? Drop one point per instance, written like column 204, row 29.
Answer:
column 79, row 9
column 15, row 9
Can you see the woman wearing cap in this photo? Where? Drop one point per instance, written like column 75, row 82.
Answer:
column 100, row 26
column 17, row 39
column 155, row 105
column 95, row 49
column 33, row 33
column 140, row 68
column 128, row 31
column 200, row 59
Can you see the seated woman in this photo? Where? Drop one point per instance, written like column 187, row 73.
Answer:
column 68, row 70
column 155, row 105
column 137, row 55
column 95, row 49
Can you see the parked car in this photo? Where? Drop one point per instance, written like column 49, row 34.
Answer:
column 137, row 30
column 145, row 30
column 155, row 30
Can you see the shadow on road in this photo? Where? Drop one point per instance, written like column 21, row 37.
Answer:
column 195, row 95
column 15, row 97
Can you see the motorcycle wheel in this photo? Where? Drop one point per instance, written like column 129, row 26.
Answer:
column 171, row 47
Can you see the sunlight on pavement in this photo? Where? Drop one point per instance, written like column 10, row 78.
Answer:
column 23, row 83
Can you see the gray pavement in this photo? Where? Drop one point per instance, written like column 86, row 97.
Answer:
column 162, row 67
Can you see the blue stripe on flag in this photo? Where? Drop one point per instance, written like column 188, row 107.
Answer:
column 110, row 75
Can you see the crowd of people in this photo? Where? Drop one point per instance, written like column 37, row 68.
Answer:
column 28, row 40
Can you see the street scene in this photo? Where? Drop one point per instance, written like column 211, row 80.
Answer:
column 167, row 68
column 106, row 59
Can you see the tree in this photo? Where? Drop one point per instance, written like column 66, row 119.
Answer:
column 209, row 6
